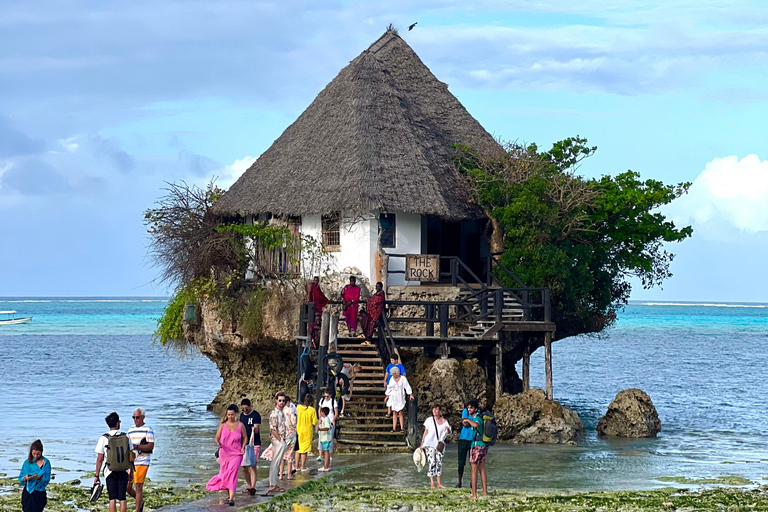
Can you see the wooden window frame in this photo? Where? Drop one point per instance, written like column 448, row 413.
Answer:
column 331, row 232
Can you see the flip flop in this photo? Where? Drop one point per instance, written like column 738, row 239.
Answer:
column 279, row 489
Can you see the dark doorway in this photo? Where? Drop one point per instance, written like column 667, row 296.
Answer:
column 462, row 239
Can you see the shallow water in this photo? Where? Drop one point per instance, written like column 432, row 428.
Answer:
column 704, row 367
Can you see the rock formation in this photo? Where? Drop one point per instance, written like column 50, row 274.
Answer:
column 530, row 418
column 631, row 414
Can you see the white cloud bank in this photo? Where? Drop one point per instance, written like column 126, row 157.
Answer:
column 729, row 193
column 232, row 172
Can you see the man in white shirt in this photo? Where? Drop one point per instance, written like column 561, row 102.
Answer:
column 143, row 440
column 117, row 481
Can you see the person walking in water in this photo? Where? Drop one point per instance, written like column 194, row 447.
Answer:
column 277, row 437
column 35, row 474
column 251, row 420
column 465, row 438
column 350, row 296
column 231, row 440
column 143, row 440
column 112, row 450
column 436, row 429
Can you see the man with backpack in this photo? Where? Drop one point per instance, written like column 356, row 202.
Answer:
column 484, row 425
column 114, row 451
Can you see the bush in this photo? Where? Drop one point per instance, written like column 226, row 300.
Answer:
column 170, row 325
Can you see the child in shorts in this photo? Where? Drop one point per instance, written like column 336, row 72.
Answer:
column 324, row 428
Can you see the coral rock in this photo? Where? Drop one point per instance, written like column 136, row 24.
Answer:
column 631, row 414
column 530, row 418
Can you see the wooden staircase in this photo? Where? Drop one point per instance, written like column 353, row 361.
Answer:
column 365, row 425
column 511, row 311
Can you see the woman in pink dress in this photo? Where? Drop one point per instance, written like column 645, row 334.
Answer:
column 231, row 440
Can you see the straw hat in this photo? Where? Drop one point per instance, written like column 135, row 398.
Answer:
column 419, row 458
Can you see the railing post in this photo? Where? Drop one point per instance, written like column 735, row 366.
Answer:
column 413, row 422
column 430, row 314
column 489, row 270
column 443, row 314
column 526, row 305
column 484, row 304
column 454, row 272
column 299, row 375
column 547, row 305
column 498, row 305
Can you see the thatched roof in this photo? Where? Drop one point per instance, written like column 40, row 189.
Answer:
column 379, row 136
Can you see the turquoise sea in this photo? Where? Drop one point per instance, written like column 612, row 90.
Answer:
column 704, row 366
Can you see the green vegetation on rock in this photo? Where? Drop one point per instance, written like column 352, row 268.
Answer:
column 71, row 497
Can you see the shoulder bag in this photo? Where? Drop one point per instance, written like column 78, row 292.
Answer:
column 440, row 444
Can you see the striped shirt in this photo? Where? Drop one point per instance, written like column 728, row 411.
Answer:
column 141, row 435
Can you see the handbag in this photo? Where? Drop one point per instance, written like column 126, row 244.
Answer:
column 440, row 444
column 249, row 457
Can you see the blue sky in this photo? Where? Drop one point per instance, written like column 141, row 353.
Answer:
column 103, row 102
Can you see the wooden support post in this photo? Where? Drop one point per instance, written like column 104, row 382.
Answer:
column 548, row 363
column 443, row 313
column 445, row 350
column 333, row 333
column 299, row 375
column 499, row 370
column 430, row 314
column 321, row 353
column 527, row 366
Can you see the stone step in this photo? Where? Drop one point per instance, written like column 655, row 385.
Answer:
column 348, row 432
column 368, row 442
column 354, row 353
column 348, row 423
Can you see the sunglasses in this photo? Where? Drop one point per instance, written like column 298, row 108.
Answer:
column 136, row 417
column 280, row 400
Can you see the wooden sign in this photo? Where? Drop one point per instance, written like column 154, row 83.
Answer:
column 422, row 267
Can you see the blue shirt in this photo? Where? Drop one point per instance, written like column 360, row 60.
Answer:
column 31, row 468
column 389, row 368
column 467, row 433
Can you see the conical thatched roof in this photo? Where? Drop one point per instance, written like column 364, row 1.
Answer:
column 379, row 136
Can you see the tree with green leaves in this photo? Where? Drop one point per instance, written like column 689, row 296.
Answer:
column 583, row 238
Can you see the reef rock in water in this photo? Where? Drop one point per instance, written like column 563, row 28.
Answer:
column 530, row 418
column 631, row 414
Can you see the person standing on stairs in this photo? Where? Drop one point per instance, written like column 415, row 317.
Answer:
column 350, row 296
column 370, row 318
column 396, row 389
column 316, row 295
column 393, row 363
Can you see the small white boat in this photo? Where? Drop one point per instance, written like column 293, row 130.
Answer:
column 13, row 319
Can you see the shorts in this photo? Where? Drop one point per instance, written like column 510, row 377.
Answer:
column 139, row 475
column 117, row 485
column 325, row 446
column 477, row 454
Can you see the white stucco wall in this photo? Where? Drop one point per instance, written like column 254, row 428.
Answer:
column 407, row 240
column 358, row 242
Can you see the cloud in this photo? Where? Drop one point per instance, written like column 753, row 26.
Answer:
column 110, row 149
column 729, row 193
column 197, row 165
column 14, row 142
column 232, row 172
column 33, row 177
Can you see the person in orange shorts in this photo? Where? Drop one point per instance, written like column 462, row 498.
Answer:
column 143, row 440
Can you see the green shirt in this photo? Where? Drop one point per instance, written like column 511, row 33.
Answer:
column 479, row 430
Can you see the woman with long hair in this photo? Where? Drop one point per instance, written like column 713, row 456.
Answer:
column 35, row 475
column 307, row 419
column 231, row 440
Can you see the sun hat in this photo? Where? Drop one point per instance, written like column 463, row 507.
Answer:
column 419, row 458
column 96, row 492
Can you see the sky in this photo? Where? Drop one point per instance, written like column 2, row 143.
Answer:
column 102, row 103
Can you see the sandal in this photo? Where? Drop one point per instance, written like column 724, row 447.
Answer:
column 252, row 491
column 279, row 489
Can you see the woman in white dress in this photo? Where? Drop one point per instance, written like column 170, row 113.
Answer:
column 436, row 430
column 396, row 389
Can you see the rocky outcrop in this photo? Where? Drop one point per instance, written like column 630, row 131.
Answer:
column 631, row 414
column 248, row 368
column 530, row 418
column 450, row 383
